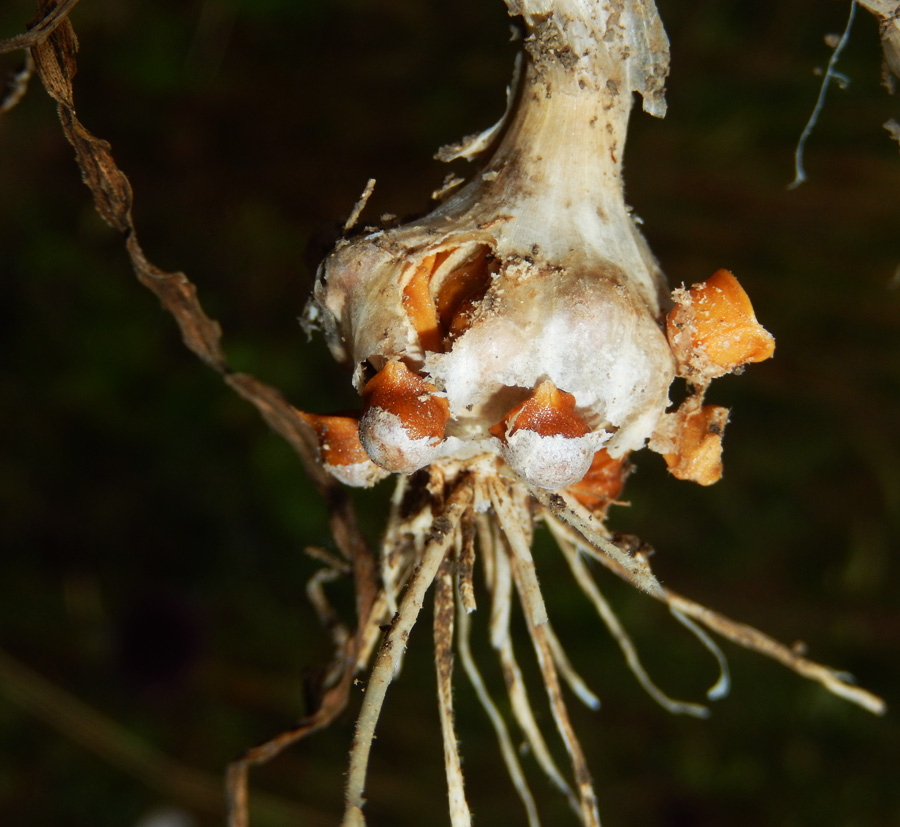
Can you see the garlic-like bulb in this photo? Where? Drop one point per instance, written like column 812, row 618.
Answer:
column 533, row 275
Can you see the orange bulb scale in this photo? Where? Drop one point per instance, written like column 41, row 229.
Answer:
column 603, row 482
column 397, row 390
column 548, row 412
column 698, row 457
column 338, row 438
column 419, row 305
column 713, row 329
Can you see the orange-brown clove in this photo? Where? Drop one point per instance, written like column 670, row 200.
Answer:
column 713, row 330
column 404, row 420
column 698, row 449
column 545, row 440
column 548, row 412
column 341, row 450
column 603, row 482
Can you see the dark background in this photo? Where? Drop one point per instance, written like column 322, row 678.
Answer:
column 152, row 528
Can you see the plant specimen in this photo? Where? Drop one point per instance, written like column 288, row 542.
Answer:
column 514, row 346
column 512, row 350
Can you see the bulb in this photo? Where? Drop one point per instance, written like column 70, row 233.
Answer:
column 532, row 276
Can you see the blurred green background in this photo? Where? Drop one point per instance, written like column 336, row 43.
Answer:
column 152, row 528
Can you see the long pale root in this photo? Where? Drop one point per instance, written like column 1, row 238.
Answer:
column 837, row 682
column 608, row 616
column 443, row 535
column 501, row 597
column 513, row 767
column 444, row 610
column 587, row 799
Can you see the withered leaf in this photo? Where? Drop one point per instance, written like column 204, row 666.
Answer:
column 55, row 64
column 54, row 53
column 178, row 295
column 49, row 15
